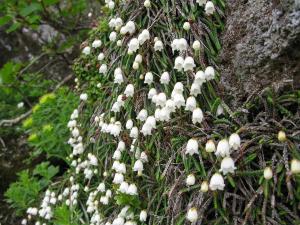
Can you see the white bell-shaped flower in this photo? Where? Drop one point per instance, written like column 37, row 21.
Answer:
column 165, row 78
column 223, row 148
column 191, row 104
column 148, row 78
column 295, row 166
column 101, row 56
column 138, row 58
column 197, row 116
column 130, row 27
column 192, row 215
column 210, row 8
column 96, row 43
column 158, row 46
column 179, row 100
column 103, row 69
column 268, row 173
column 113, row 36
column 216, row 182
column 129, row 124
column 123, row 187
column 192, row 147
column 227, row 166
column 143, row 216
column 152, row 92
column 170, row 105
column 209, row 73
column 129, row 90
column 118, row 178
column 188, row 64
column 195, row 89
column 134, row 132
column 182, row 45
column 234, row 141
column 86, row 50
column 179, row 61
column 138, row 166
column 161, row 99
column 186, row 26
column 132, row 189
column 144, row 36
column 133, row 45
column 142, row 116
column 210, row 146
column 190, row 180
column 196, row 45
column 200, row 77
column 118, row 78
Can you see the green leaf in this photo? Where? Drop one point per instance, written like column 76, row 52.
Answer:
column 5, row 19
column 45, row 170
column 50, row 2
column 13, row 27
column 30, row 9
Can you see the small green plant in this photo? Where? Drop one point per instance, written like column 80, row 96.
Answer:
column 47, row 126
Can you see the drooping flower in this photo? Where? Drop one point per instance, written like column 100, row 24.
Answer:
column 295, row 166
column 170, row 105
column 100, row 56
column 144, row 36
column 179, row 100
column 234, row 141
column 186, row 26
column 152, row 92
column 161, row 99
column 188, row 64
column 134, row 132
column 200, row 77
column 138, row 58
column 96, row 43
column 209, row 8
column 158, row 45
column 190, row 180
column 118, row 178
column 227, row 166
column 197, row 116
column 281, row 136
column 133, row 45
column 179, row 61
column 147, row 3
column 132, row 189
column 223, row 148
column 138, row 166
column 209, row 73
column 195, row 89
column 268, row 173
column 148, row 78
column 191, row 104
column 165, row 78
column 142, row 116
column 86, row 50
column 210, row 146
column 182, row 45
column 123, row 187
column 204, row 186
column 129, row 90
column 103, row 69
column 216, row 182
column 118, row 78
column 196, row 45
column 113, row 36
column 83, row 96
column 192, row 147
column 143, row 216
column 192, row 215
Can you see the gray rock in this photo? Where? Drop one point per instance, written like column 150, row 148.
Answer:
column 261, row 51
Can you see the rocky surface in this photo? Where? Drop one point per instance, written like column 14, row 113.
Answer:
column 261, row 47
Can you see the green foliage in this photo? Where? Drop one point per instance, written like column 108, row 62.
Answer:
column 24, row 192
column 16, row 88
column 47, row 125
column 20, row 13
